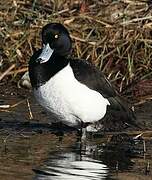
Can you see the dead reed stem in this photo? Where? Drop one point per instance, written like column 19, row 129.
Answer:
column 7, row 71
column 29, row 108
column 116, row 36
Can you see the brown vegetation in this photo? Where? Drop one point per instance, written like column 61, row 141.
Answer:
column 115, row 35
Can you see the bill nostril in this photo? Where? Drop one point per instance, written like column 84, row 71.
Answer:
column 38, row 60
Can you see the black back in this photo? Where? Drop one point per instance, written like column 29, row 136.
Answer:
column 92, row 77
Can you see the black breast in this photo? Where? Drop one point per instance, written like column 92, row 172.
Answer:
column 41, row 73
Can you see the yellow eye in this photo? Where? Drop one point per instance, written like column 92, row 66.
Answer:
column 56, row 36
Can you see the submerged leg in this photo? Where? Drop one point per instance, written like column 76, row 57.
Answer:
column 81, row 139
column 82, row 133
column 61, row 135
column 59, row 131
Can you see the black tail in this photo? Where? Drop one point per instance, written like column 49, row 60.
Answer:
column 121, row 113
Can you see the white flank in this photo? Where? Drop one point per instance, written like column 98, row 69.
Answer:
column 73, row 101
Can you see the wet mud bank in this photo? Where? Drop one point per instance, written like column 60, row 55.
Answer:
column 30, row 148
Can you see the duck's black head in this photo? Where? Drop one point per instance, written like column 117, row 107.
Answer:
column 56, row 46
column 56, row 41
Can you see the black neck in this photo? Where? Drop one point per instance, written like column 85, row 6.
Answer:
column 41, row 73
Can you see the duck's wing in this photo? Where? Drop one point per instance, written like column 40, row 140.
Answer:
column 92, row 77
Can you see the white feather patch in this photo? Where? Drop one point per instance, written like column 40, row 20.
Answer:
column 73, row 101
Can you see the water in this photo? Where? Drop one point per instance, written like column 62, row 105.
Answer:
column 72, row 165
column 29, row 149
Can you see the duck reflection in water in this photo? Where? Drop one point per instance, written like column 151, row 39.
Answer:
column 71, row 165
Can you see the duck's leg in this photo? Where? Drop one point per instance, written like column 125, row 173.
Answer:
column 83, row 134
column 59, row 133
column 81, row 139
column 79, row 134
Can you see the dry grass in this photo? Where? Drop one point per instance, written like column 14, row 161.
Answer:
column 115, row 35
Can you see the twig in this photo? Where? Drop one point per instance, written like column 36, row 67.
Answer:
column 16, row 104
column 29, row 108
column 83, row 40
column 145, row 40
column 143, row 100
column 117, row 166
column 147, row 169
column 5, row 110
column 33, row 5
column 144, row 133
column 17, row 71
column 7, row 71
column 96, row 20
column 5, row 106
column 133, row 2
column 13, row 134
column 144, row 148
column 60, row 12
column 135, row 20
